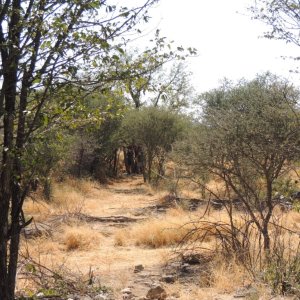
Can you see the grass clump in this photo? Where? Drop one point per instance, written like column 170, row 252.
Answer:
column 158, row 233
column 80, row 238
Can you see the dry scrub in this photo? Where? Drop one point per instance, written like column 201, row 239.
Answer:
column 173, row 228
column 68, row 197
column 80, row 238
column 151, row 242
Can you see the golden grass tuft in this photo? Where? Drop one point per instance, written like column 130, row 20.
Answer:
column 157, row 233
column 226, row 276
column 67, row 200
column 40, row 210
column 176, row 224
column 80, row 238
column 72, row 241
column 121, row 238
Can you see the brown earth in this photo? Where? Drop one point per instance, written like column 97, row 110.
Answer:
column 103, row 232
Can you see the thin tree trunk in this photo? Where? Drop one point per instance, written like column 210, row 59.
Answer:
column 9, row 87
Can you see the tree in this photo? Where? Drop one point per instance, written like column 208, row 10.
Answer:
column 172, row 89
column 49, row 51
column 95, row 148
column 249, row 137
column 165, row 85
column 155, row 130
column 282, row 16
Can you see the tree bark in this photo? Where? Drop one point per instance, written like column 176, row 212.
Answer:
column 10, row 69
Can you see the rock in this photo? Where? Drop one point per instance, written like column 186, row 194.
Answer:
column 168, row 278
column 40, row 295
column 156, row 293
column 192, row 259
column 127, row 294
column 73, row 297
column 126, row 291
column 138, row 268
column 101, row 297
column 184, row 268
column 85, row 298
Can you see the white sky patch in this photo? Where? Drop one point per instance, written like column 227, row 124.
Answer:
column 229, row 43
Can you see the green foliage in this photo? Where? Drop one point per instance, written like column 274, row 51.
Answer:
column 93, row 147
column 53, row 55
column 296, row 206
column 248, row 137
column 285, row 187
column 153, row 127
column 251, row 134
column 156, row 130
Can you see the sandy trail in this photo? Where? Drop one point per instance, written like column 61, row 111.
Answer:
column 113, row 265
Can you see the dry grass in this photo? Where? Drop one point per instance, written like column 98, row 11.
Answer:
column 67, row 200
column 227, row 276
column 40, row 210
column 172, row 229
column 40, row 246
column 84, row 186
column 68, row 197
column 120, row 239
column 115, row 254
column 158, row 233
column 80, row 238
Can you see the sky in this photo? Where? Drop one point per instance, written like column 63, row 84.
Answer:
column 229, row 42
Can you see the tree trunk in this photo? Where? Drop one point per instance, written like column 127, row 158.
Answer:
column 150, row 162
column 266, row 241
column 270, row 206
column 9, row 87
column 14, row 240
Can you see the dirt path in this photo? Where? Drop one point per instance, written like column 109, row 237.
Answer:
column 102, row 228
column 106, row 210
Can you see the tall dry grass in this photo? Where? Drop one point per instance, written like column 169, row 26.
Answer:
column 67, row 197
column 80, row 237
column 173, row 228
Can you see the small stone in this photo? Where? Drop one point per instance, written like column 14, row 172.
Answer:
column 40, row 295
column 138, row 268
column 168, row 278
column 85, row 298
column 101, row 297
column 184, row 268
column 156, row 293
column 126, row 291
column 175, row 295
column 127, row 294
column 192, row 259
